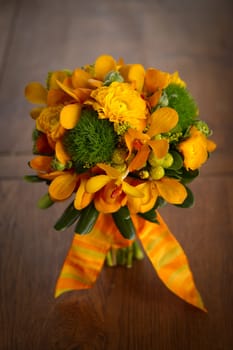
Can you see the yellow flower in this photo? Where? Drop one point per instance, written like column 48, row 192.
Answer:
column 195, row 149
column 49, row 122
column 120, row 103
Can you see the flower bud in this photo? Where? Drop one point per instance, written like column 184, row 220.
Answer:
column 144, row 174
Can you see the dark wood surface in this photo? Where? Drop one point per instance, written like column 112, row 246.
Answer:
column 128, row 309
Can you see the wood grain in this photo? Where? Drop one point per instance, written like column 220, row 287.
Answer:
column 127, row 309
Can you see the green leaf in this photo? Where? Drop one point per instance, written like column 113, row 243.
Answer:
column 87, row 219
column 189, row 200
column 189, row 175
column 149, row 216
column 68, row 218
column 176, row 174
column 124, row 222
column 177, row 160
column 45, row 202
column 33, row 178
column 160, row 202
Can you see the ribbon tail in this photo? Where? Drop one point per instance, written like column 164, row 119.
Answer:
column 168, row 259
column 85, row 259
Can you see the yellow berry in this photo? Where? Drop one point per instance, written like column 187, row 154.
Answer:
column 157, row 173
column 167, row 160
column 119, row 156
column 154, row 161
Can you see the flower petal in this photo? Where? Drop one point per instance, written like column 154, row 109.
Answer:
column 155, row 80
column 133, row 73
column 95, row 183
column 70, row 115
column 163, row 120
column 67, row 89
column 35, row 112
column 145, row 203
column 175, row 79
column 56, row 76
column 80, row 78
column 36, row 93
column 105, row 207
column 61, row 154
column 62, row 186
column 211, row 146
column 154, row 99
column 110, row 171
column 56, row 97
column 103, row 65
column 52, row 175
column 82, row 198
column 194, row 149
column 171, row 190
column 133, row 191
column 160, row 147
column 140, row 159
column 41, row 163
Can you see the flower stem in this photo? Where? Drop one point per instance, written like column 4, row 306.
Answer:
column 124, row 256
column 129, row 262
column 109, row 261
column 137, row 251
column 121, row 256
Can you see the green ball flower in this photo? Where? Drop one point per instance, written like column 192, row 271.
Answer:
column 180, row 99
column 91, row 141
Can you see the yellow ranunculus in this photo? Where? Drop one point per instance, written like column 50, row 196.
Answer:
column 49, row 122
column 120, row 103
column 195, row 149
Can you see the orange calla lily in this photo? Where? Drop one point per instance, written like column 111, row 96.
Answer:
column 162, row 120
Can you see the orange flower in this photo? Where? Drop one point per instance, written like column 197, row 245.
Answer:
column 168, row 188
column 82, row 197
column 111, row 190
column 63, row 183
column 156, row 81
column 195, row 149
column 162, row 120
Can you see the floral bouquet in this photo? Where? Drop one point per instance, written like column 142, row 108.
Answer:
column 119, row 141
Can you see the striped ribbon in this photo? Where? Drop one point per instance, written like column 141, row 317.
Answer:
column 87, row 254
column 168, row 259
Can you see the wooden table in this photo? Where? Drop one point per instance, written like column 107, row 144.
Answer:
column 127, row 308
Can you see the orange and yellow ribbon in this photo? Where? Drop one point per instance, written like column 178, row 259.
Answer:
column 87, row 254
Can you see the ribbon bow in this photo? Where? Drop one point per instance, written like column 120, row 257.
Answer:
column 87, row 254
